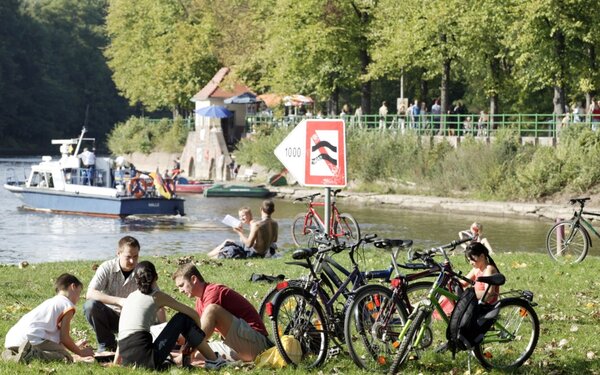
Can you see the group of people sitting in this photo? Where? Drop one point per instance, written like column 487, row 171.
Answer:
column 125, row 308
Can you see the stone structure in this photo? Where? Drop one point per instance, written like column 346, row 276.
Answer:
column 205, row 155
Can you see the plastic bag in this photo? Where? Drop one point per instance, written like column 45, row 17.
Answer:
column 271, row 358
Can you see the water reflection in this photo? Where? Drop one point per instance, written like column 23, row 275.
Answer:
column 38, row 237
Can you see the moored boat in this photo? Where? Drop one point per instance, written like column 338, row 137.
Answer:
column 221, row 190
column 183, row 186
column 66, row 186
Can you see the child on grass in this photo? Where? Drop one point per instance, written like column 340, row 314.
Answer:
column 44, row 332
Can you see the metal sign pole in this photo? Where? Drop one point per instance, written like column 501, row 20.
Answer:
column 327, row 210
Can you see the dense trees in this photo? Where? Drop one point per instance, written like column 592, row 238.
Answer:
column 52, row 72
column 59, row 57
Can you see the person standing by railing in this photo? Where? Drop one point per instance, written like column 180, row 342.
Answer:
column 595, row 114
column 358, row 117
column 383, row 111
column 436, row 112
column 415, row 111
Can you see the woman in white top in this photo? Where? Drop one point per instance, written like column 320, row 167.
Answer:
column 136, row 347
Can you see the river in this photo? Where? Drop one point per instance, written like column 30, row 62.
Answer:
column 43, row 237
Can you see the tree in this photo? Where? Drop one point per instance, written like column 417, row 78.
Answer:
column 159, row 52
column 414, row 36
column 547, row 38
column 314, row 47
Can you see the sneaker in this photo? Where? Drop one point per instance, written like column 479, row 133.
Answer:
column 215, row 364
column 23, row 353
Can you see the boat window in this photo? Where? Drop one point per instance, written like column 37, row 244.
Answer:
column 50, row 180
column 35, row 179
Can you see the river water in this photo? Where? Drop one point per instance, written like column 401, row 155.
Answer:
column 42, row 237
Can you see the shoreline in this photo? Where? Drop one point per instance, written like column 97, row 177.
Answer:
column 533, row 211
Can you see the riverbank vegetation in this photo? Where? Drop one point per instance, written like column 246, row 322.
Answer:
column 568, row 307
column 503, row 170
column 139, row 134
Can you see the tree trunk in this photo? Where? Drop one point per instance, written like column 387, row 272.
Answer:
column 365, row 87
column 424, row 88
column 559, row 100
column 444, row 86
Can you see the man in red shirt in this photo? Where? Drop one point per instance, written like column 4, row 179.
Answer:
column 224, row 310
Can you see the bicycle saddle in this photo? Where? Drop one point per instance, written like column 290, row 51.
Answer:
column 388, row 244
column 495, row 279
column 304, row 253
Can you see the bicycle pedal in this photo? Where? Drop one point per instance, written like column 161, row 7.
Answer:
column 333, row 352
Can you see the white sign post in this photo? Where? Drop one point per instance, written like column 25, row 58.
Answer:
column 315, row 154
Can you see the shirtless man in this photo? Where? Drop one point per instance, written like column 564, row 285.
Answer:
column 260, row 242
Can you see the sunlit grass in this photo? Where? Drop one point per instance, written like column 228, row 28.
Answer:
column 568, row 300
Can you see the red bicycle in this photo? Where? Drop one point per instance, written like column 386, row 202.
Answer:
column 306, row 225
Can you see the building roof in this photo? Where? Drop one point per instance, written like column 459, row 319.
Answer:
column 213, row 88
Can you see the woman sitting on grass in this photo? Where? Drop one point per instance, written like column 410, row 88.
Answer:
column 136, row 347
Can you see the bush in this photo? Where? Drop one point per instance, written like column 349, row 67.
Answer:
column 139, row 134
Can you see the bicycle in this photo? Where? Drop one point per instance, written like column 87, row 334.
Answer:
column 307, row 313
column 568, row 241
column 305, row 225
column 370, row 328
column 509, row 342
column 330, row 280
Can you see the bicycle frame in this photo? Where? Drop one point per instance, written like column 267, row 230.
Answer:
column 335, row 217
column 587, row 223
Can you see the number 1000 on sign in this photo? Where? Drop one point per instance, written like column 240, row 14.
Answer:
column 293, row 152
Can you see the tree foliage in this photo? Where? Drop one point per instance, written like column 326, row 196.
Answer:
column 160, row 54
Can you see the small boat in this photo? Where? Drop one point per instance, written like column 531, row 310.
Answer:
column 183, row 185
column 220, row 190
column 65, row 186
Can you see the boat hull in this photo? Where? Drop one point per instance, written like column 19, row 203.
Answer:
column 48, row 200
column 191, row 188
column 237, row 191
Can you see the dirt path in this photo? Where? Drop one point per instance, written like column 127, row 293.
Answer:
column 540, row 211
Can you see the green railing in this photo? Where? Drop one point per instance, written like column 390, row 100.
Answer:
column 527, row 125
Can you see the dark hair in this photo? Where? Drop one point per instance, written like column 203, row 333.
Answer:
column 477, row 249
column 145, row 275
column 129, row 242
column 187, row 271
column 268, row 206
column 63, row 282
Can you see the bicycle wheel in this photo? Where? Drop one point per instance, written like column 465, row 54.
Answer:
column 303, row 229
column 407, row 342
column 373, row 323
column 298, row 317
column 512, row 338
column 567, row 242
column 346, row 229
column 270, row 297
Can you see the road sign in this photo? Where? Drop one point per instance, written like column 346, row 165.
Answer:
column 315, row 153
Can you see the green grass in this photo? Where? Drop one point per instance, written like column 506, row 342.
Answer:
column 568, row 300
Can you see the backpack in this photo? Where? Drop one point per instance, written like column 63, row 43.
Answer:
column 466, row 329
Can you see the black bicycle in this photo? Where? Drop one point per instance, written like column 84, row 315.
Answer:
column 569, row 241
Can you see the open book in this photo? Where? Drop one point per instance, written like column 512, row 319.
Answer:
column 231, row 221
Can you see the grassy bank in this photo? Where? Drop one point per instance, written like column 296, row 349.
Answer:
column 505, row 170
column 568, row 298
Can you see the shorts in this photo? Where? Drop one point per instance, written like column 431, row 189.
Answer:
column 242, row 342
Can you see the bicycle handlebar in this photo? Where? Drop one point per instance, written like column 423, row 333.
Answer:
column 311, row 197
column 430, row 252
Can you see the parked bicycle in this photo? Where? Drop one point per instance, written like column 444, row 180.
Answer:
column 509, row 342
column 341, row 226
column 371, row 329
column 332, row 273
column 568, row 241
